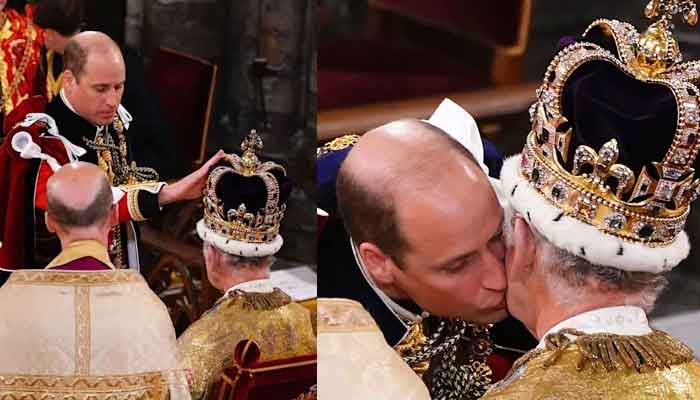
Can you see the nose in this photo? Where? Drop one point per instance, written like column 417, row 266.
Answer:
column 112, row 99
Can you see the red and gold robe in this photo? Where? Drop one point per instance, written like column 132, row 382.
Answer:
column 23, row 198
column 20, row 49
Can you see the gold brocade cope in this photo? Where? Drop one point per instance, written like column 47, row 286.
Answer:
column 86, row 335
column 280, row 328
column 354, row 359
column 603, row 366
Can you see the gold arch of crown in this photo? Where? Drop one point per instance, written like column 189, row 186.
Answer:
column 650, row 208
column 239, row 224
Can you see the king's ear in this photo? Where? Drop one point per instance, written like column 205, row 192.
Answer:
column 521, row 251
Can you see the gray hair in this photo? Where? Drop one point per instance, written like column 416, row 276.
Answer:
column 237, row 263
column 569, row 276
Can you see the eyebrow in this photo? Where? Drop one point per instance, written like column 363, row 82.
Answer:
column 453, row 260
column 108, row 84
column 466, row 256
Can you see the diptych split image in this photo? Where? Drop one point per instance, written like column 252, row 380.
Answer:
column 349, row 200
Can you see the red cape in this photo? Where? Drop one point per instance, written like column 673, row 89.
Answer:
column 13, row 181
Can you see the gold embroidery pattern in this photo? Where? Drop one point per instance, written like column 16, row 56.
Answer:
column 6, row 102
column 263, row 301
column 133, row 203
column 341, row 315
column 578, row 366
column 337, row 144
column 113, row 158
column 53, row 84
column 206, row 347
column 654, row 351
column 101, row 278
column 116, row 387
column 82, row 330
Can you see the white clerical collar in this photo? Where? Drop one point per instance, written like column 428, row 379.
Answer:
column 62, row 93
column 619, row 320
column 255, row 286
column 400, row 311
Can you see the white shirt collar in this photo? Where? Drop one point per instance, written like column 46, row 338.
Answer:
column 121, row 111
column 255, row 286
column 62, row 93
column 619, row 320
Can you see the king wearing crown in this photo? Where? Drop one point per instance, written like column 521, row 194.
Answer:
column 599, row 198
column 244, row 203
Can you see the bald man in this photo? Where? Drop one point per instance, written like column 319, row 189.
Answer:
column 412, row 213
column 86, row 122
column 425, row 228
column 81, row 328
column 80, row 212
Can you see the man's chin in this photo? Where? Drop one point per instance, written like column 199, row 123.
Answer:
column 488, row 316
column 104, row 119
column 497, row 315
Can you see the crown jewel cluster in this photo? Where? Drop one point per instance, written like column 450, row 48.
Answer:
column 653, row 206
column 239, row 223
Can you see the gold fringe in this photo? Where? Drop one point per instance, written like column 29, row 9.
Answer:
column 262, row 301
column 654, row 351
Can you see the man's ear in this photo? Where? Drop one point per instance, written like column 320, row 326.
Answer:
column 69, row 79
column 214, row 255
column 50, row 223
column 521, row 252
column 377, row 263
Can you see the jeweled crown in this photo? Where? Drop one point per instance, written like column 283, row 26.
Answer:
column 647, row 206
column 244, row 199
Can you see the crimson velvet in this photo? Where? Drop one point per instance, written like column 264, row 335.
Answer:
column 182, row 84
column 249, row 379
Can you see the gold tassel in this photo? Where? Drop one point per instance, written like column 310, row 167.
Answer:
column 654, row 351
column 262, row 301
